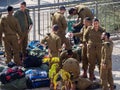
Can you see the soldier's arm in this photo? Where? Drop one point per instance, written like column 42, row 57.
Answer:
column 86, row 35
column 106, row 51
column 1, row 31
column 64, row 22
column 43, row 41
column 80, row 34
column 59, row 44
column 18, row 29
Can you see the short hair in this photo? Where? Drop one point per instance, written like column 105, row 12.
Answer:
column 71, row 10
column 95, row 19
column 9, row 8
column 88, row 19
column 62, row 8
column 23, row 3
column 69, row 52
column 55, row 27
column 107, row 34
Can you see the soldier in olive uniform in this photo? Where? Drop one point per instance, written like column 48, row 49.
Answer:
column 68, row 54
column 53, row 42
column 10, row 27
column 59, row 19
column 71, row 65
column 94, row 43
column 106, row 62
column 87, row 23
column 82, row 11
column 25, row 22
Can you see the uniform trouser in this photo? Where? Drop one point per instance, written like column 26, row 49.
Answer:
column 12, row 49
column 94, row 56
column 65, row 40
column 24, row 43
column 84, row 57
column 106, row 77
column 54, row 54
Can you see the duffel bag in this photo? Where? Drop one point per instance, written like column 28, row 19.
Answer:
column 11, row 74
column 37, row 78
column 32, row 61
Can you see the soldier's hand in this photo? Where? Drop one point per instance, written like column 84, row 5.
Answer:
column 19, row 41
column 104, row 66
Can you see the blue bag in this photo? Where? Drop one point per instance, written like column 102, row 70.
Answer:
column 35, row 44
column 37, row 78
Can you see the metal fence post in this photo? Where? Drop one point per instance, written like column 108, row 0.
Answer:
column 39, row 19
column 34, row 25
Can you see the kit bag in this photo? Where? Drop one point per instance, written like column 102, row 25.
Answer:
column 37, row 78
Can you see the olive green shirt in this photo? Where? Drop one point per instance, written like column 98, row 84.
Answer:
column 106, row 52
column 53, row 42
column 83, row 12
column 24, row 19
column 93, row 37
column 10, row 26
column 60, row 20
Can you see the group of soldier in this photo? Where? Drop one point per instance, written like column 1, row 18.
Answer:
column 14, row 31
column 96, row 43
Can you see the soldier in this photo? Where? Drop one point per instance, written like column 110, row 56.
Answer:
column 59, row 19
column 10, row 27
column 78, row 82
column 94, row 43
column 106, row 62
column 53, row 42
column 87, row 23
column 68, row 54
column 82, row 11
column 25, row 22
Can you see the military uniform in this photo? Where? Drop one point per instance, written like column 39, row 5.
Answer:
column 106, row 74
column 84, row 48
column 64, row 56
column 94, row 44
column 59, row 19
column 83, row 12
column 75, row 68
column 24, row 21
column 54, row 44
column 10, row 27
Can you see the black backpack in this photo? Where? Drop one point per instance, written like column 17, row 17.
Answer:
column 11, row 74
column 32, row 61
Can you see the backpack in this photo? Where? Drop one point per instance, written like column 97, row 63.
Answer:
column 36, row 78
column 11, row 74
column 32, row 61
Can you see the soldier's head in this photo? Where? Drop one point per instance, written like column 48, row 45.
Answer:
column 10, row 10
column 72, row 11
column 69, row 53
column 87, row 21
column 62, row 9
column 23, row 6
column 105, row 36
column 95, row 23
column 55, row 28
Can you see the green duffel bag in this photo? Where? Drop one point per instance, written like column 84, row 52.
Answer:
column 19, row 84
